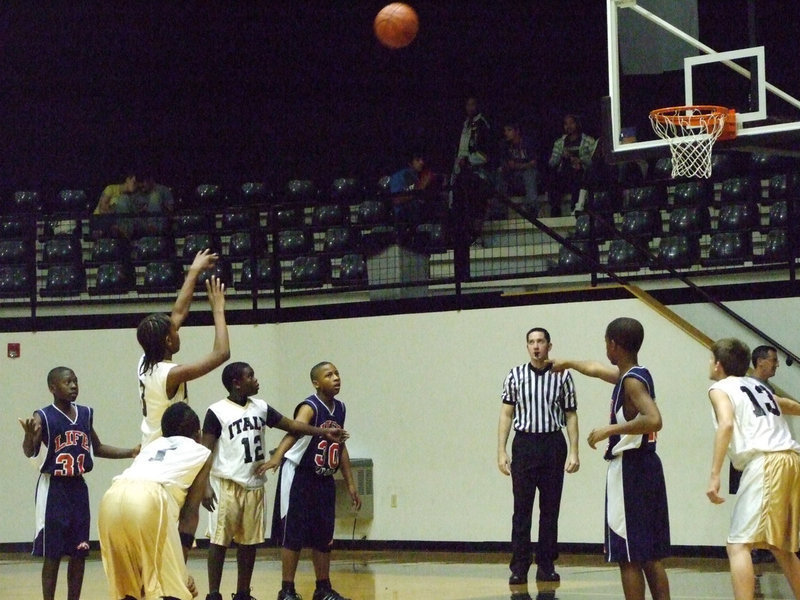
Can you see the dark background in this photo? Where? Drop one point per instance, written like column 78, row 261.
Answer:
column 227, row 92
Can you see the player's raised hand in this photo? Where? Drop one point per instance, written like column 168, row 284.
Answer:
column 205, row 259
column 216, row 292
column 30, row 426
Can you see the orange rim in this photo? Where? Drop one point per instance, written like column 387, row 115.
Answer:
column 700, row 116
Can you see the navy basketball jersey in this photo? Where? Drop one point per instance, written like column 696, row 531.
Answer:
column 314, row 452
column 68, row 442
column 617, row 444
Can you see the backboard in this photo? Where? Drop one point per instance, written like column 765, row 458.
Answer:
column 656, row 59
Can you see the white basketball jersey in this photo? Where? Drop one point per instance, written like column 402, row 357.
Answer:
column 153, row 396
column 240, row 447
column 173, row 462
column 758, row 426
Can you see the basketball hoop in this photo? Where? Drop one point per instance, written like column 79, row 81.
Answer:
column 691, row 132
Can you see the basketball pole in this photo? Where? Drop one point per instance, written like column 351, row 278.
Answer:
column 703, row 47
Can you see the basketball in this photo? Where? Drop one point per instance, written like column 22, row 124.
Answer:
column 396, row 25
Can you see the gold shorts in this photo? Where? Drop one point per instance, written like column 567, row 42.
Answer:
column 239, row 515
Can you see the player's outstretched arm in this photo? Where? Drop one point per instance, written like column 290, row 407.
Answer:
column 723, row 412
column 205, row 259
column 788, row 406
column 32, row 426
column 590, row 368
column 299, row 429
column 303, row 415
column 220, row 352
column 105, row 451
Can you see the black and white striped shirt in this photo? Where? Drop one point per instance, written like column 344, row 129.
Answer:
column 540, row 398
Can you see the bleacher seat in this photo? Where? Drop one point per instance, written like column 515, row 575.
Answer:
column 26, row 202
column 693, row 193
column 744, row 216
column 64, row 280
column 779, row 214
column 186, row 223
column 264, row 277
column 767, row 164
column 16, row 252
column 602, row 201
column 197, row 242
column 72, row 202
column 114, row 278
column 662, row 169
column 347, row 190
column 152, row 248
column 624, row 256
column 648, row 196
column 294, row 242
column 17, row 227
column 726, row 164
column 374, row 212
column 254, row 193
column 16, row 281
column 161, row 276
column 241, row 219
column 240, row 246
column 352, row 270
column 341, row 240
column 309, row 271
column 301, row 190
column 328, row 215
column 584, row 225
column 642, row 223
column 222, row 270
column 783, row 186
column 690, row 219
column 287, row 215
column 379, row 238
column 572, row 261
column 738, row 190
column 729, row 248
column 62, row 249
column 776, row 247
column 107, row 250
column 679, row 251
column 208, row 195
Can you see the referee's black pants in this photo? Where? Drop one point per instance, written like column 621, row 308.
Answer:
column 537, row 463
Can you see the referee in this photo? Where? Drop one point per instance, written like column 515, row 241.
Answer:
column 539, row 404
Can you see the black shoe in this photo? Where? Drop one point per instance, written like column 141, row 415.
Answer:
column 330, row 594
column 214, row 596
column 517, row 579
column 240, row 596
column 547, row 574
column 289, row 596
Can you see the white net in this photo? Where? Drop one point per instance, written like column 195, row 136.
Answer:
column 691, row 132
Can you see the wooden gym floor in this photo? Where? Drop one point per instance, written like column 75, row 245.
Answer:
column 390, row 575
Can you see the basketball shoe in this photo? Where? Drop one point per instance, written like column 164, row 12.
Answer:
column 289, row 596
column 329, row 594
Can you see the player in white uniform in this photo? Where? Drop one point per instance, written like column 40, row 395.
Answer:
column 162, row 382
column 751, row 429
column 149, row 514
column 234, row 430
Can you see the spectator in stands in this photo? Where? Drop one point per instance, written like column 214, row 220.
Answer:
column 471, row 179
column 571, row 156
column 148, row 208
column 406, row 186
column 517, row 171
column 112, row 193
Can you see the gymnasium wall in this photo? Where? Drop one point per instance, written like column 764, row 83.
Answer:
column 422, row 393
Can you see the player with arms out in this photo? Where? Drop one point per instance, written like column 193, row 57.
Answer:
column 161, row 381
column 751, row 429
column 62, row 499
column 305, row 500
column 233, row 430
column 637, row 518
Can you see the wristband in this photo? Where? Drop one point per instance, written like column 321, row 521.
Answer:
column 187, row 539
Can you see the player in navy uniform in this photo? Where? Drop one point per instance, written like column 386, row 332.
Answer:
column 637, row 520
column 305, row 499
column 62, row 498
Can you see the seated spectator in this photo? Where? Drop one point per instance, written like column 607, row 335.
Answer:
column 571, row 156
column 112, row 193
column 414, row 192
column 517, row 171
column 146, row 210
